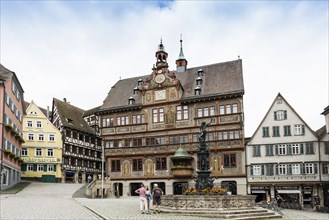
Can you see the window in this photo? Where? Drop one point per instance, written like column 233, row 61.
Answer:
column 229, row 160
column 138, row 119
column 299, row 129
column 24, row 151
column 269, row 170
column 257, row 170
column 115, row 166
column 256, row 150
column 128, row 143
column 30, row 137
column 309, row 148
column 174, row 139
column 107, row 122
column 158, row 115
column 286, row 129
column 51, row 137
column 38, row 152
column 137, row 142
column 41, row 137
column 269, row 150
column 29, row 124
column 50, row 167
column 40, row 167
column 295, row 169
column 280, row 115
column 137, row 165
column 182, row 112
column 209, row 137
column 266, row 132
column 228, row 109
column 282, row 149
column 50, row 152
column 276, row 131
column 309, row 168
column 235, row 108
column 30, row 167
column 38, row 124
column 160, row 140
column 282, row 169
column 295, row 149
column 161, row 163
column 222, row 110
column 325, row 168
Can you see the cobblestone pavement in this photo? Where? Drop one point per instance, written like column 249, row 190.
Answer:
column 44, row 201
column 54, row 201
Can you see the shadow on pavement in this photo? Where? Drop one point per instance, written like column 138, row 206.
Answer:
column 16, row 188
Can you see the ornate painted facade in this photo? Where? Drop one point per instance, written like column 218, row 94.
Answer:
column 145, row 119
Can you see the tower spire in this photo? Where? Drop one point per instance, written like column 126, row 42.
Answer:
column 181, row 62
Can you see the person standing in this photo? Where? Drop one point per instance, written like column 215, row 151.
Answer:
column 157, row 193
column 148, row 197
column 89, row 178
column 142, row 199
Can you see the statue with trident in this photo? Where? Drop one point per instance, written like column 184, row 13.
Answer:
column 203, row 131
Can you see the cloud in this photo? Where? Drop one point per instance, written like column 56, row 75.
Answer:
column 79, row 49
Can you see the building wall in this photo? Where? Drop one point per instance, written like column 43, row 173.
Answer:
column 13, row 112
column 48, row 140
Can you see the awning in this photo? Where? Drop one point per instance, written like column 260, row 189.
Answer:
column 258, row 191
column 288, row 191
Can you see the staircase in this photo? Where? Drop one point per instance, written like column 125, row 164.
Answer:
column 94, row 189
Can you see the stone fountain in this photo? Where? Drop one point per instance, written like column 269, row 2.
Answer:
column 212, row 205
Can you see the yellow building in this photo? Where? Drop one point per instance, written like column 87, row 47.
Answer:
column 42, row 150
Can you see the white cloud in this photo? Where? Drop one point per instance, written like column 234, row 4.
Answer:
column 79, row 50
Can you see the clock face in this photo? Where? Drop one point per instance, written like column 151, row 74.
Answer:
column 160, row 78
column 160, row 95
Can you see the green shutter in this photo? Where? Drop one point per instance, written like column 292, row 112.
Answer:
column 289, row 148
column 285, row 114
column 251, row 170
column 45, row 168
column 262, row 170
column 276, row 169
column 301, row 148
column 303, row 129
column 276, row 149
column 24, row 167
column 315, row 168
column 289, row 169
column 275, row 118
column 55, row 165
column 34, row 167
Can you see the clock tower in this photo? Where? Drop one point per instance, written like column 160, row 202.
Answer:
column 161, row 56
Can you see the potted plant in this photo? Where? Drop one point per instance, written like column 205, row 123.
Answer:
column 16, row 157
column 12, row 155
column 7, row 151
column 13, row 132
column 8, row 127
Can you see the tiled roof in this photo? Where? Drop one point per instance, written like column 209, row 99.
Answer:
column 91, row 111
column 4, row 72
column 322, row 131
column 218, row 79
column 71, row 116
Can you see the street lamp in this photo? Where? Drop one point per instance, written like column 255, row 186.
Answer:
column 102, row 171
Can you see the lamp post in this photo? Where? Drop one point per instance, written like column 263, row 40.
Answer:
column 102, row 171
column 2, row 82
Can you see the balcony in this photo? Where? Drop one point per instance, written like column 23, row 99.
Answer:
column 182, row 171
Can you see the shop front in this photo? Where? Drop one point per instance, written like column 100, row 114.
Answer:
column 291, row 196
column 261, row 193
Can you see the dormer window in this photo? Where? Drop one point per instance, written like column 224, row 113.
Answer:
column 200, row 73
column 199, row 81
column 136, row 90
column 140, row 82
column 197, row 90
column 131, row 101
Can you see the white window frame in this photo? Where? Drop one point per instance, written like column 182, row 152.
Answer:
column 299, row 129
column 257, row 170
column 282, row 169
column 30, row 137
column 51, row 137
column 309, row 168
column 29, row 167
column 29, row 124
column 39, row 124
column 50, row 168
column 24, row 151
column 282, row 149
column 295, row 169
column 50, row 152
column 38, row 152
column 40, row 167
column 295, row 149
column 41, row 137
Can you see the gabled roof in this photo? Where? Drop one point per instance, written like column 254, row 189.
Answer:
column 90, row 111
column 322, row 131
column 6, row 73
column 71, row 116
column 269, row 110
column 218, row 79
column 44, row 111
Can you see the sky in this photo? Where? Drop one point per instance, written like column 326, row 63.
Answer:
column 80, row 49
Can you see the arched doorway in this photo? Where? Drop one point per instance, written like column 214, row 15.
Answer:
column 117, row 189
column 230, row 186
column 179, row 187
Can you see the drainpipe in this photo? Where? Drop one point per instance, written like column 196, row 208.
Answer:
column 2, row 82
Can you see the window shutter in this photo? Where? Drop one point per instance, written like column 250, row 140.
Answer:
column 276, row 169
column 302, row 171
column 55, row 165
column 34, row 167
column 311, row 148
column 276, row 149
column 289, row 148
column 315, row 168
column 275, row 117
column 45, row 168
column 301, row 148
column 24, row 167
column 303, row 129
column 262, row 171
column 285, row 114
column 289, row 169
column 251, row 170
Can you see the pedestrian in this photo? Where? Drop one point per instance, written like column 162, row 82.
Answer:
column 142, row 200
column 148, row 197
column 157, row 193
column 279, row 199
column 89, row 178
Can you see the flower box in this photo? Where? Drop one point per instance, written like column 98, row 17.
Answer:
column 8, row 127
column 7, row 151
